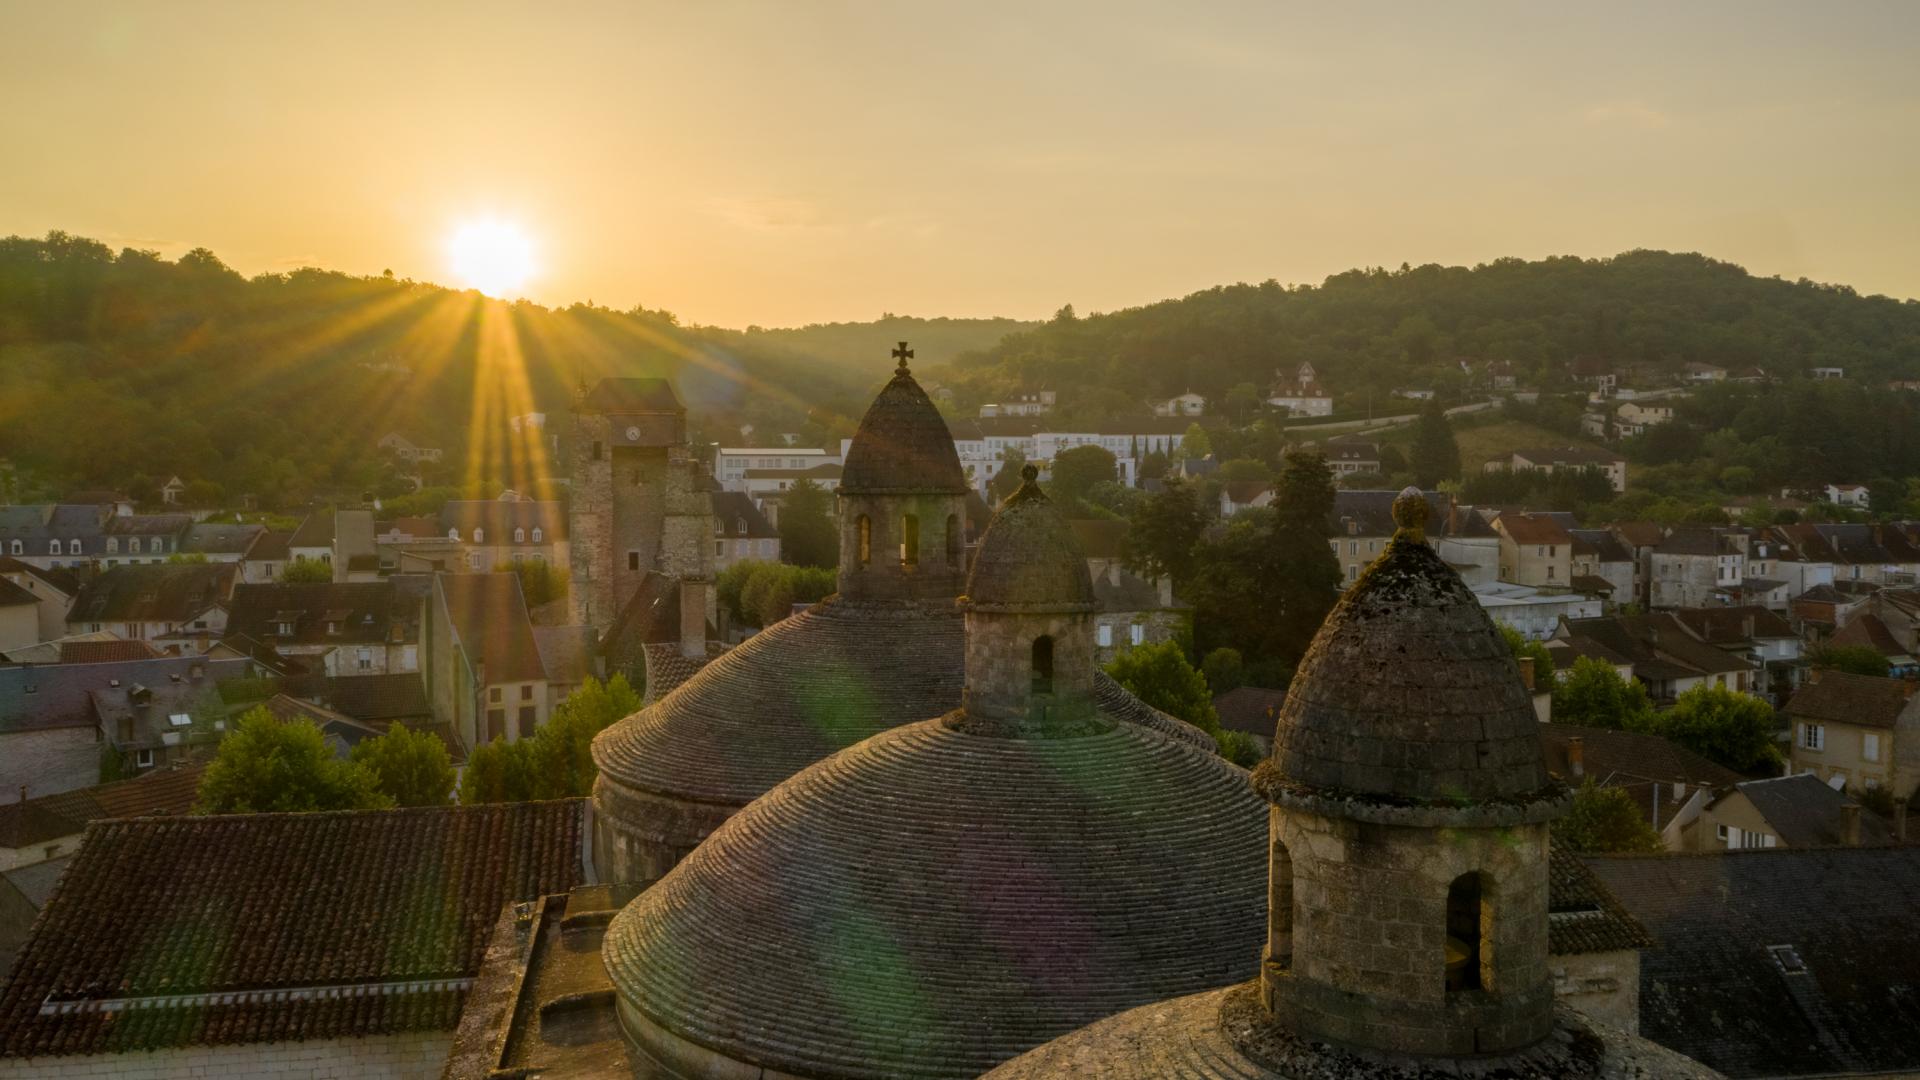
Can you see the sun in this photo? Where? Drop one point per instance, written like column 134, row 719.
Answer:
column 493, row 256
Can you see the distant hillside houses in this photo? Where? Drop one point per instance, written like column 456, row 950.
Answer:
column 984, row 444
column 1563, row 458
column 1300, row 394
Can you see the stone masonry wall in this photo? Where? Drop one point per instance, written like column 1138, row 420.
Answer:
column 1000, row 660
column 883, row 577
column 407, row 1056
column 1366, row 915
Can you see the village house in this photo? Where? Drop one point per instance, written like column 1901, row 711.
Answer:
column 55, row 535
column 1691, row 562
column 483, row 668
column 220, row 543
column 175, row 605
column 1777, row 962
column 1823, row 374
column 266, row 558
column 163, row 724
column 137, row 539
column 173, row 491
column 313, row 540
column 1867, row 630
column 1797, row 810
column 1669, row 784
column 1240, row 495
column 1877, row 554
column 1698, row 372
column 1037, row 403
column 1857, row 730
column 495, row 533
column 47, row 827
column 340, row 629
column 403, row 449
column 1855, row 495
column 1362, row 523
column 1595, row 373
column 1666, row 657
column 1603, row 566
column 1535, row 613
column 1347, row 457
column 732, row 464
column 1823, row 609
column 768, row 487
column 324, row 977
column 1570, row 649
column 1535, row 550
column 1563, row 459
column 741, row 532
column 1134, row 610
column 985, row 445
column 1302, row 394
column 53, row 592
column 1499, row 374
column 1756, row 634
column 1187, row 404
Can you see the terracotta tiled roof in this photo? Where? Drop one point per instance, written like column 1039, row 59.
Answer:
column 1871, row 631
column 1533, row 529
column 1582, row 915
column 49, row 817
column 173, row 907
column 1842, row 698
column 105, row 652
column 1734, row 624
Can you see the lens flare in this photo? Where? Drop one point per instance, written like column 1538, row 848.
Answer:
column 495, row 257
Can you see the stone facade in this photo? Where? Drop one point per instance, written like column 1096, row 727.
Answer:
column 416, row 1055
column 878, row 563
column 1371, row 904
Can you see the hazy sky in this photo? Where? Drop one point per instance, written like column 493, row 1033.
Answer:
column 799, row 161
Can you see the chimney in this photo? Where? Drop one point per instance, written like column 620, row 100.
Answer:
column 1900, row 820
column 1813, row 675
column 693, row 619
column 1577, row 756
column 1526, row 671
column 1850, row 824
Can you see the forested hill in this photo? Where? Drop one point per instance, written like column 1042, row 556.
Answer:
column 855, row 344
column 123, row 366
column 1379, row 329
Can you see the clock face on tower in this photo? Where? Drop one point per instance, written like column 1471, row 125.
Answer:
column 633, row 434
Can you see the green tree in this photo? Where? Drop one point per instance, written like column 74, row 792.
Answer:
column 808, row 536
column 267, row 765
column 500, row 771
column 1006, row 480
column 1165, row 531
column 540, row 582
column 1604, row 820
column 1593, row 694
column 1160, row 675
column 557, row 762
column 1076, row 471
column 306, row 572
column 1722, row 725
column 1852, row 659
column 1307, row 573
column 409, row 767
column 1195, row 444
column 1243, row 399
column 1434, row 456
column 1521, row 646
column 1224, row 670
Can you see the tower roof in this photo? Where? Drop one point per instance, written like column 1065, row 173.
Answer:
column 930, row 902
column 902, row 446
column 630, row 396
column 1409, row 697
column 1029, row 558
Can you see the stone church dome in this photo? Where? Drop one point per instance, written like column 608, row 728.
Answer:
column 902, row 445
column 952, row 892
column 1408, row 695
column 1029, row 558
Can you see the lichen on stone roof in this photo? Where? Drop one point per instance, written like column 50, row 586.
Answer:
column 1029, row 558
column 902, row 446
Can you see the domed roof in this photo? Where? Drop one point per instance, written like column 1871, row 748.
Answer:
column 930, row 903
column 902, row 446
column 1408, row 694
column 802, row 689
column 1029, row 559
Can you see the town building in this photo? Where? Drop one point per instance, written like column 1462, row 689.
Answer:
column 346, row 942
column 1604, row 566
column 1348, row 456
column 741, row 532
column 341, row 630
column 1689, row 566
column 1300, row 395
column 1669, row 784
column 267, row 558
column 1187, row 404
column 1798, row 810
column 1857, row 731
column 1564, row 459
column 1762, row 637
column 52, row 590
column 1536, row 550
column 404, row 449
column 1038, row 403
column 1535, row 613
column 176, row 606
column 48, row 827
column 483, row 669
column 732, row 464
column 313, row 539
column 497, row 533
column 1667, row 658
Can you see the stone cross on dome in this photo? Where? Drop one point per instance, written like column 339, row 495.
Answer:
column 902, row 354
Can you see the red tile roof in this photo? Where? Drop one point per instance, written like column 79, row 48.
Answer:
column 105, row 652
column 167, row 908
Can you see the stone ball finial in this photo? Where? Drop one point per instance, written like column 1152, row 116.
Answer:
column 1029, row 472
column 1410, row 512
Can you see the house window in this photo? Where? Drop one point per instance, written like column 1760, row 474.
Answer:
column 366, row 660
column 1137, row 633
column 1043, row 665
column 453, row 534
column 1720, row 833
column 1353, row 571
column 1353, row 547
column 18, row 548
column 496, row 724
column 1870, row 746
column 633, row 560
column 519, row 536
column 766, row 549
column 1103, row 634
column 73, row 547
column 113, row 545
column 1469, row 928
column 143, row 759
column 528, row 720
column 493, row 694
column 526, row 693
column 1813, row 736
column 1280, row 906
column 54, row 548
column 479, row 535
column 284, row 629
column 1549, row 573
column 537, row 534
column 719, row 547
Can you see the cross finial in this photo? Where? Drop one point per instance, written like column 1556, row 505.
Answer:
column 902, row 354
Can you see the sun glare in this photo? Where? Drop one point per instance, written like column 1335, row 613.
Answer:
column 493, row 256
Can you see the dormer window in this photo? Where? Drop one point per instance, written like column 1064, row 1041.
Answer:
column 536, row 534
column 479, row 535
column 113, row 545
column 453, row 534
column 18, row 548
column 519, row 536
column 284, row 629
column 54, row 548
column 73, row 547
column 741, row 525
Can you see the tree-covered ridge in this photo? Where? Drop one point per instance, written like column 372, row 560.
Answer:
column 116, row 365
column 853, row 345
column 1375, row 330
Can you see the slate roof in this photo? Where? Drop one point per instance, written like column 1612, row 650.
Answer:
column 489, row 617
column 1250, row 709
column 49, row 817
column 164, row 592
column 1409, row 630
column 1843, row 698
column 498, row 519
column 220, row 539
column 39, row 697
column 149, row 524
column 933, row 901
column 1658, row 645
column 12, row 595
column 271, row 546
column 1805, row 812
column 1841, row 1000
column 1028, row 559
column 902, row 445
column 620, row 396
column 1372, row 511
column 566, row 652
column 315, row 531
column 1599, row 544
column 366, row 612
column 736, row 517
column 398, row 696
column 238, row 904
column 1734, row 624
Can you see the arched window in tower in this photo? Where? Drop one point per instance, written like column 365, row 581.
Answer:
column 865, row 527
column 1280, row 905
column 1043, row 665
column 954, row 540
column 1469, row 932
column 910, row 540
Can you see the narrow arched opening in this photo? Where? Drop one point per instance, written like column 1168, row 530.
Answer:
column 1280, row 906
column 1469, row 933
column 910, row 540
column 1043, row 664
column 954, row 540
column 864, row 527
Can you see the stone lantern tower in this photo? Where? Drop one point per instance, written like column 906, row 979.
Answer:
column 903, row 510
column 1409, row 827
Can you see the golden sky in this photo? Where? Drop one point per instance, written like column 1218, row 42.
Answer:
column 802, row 161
